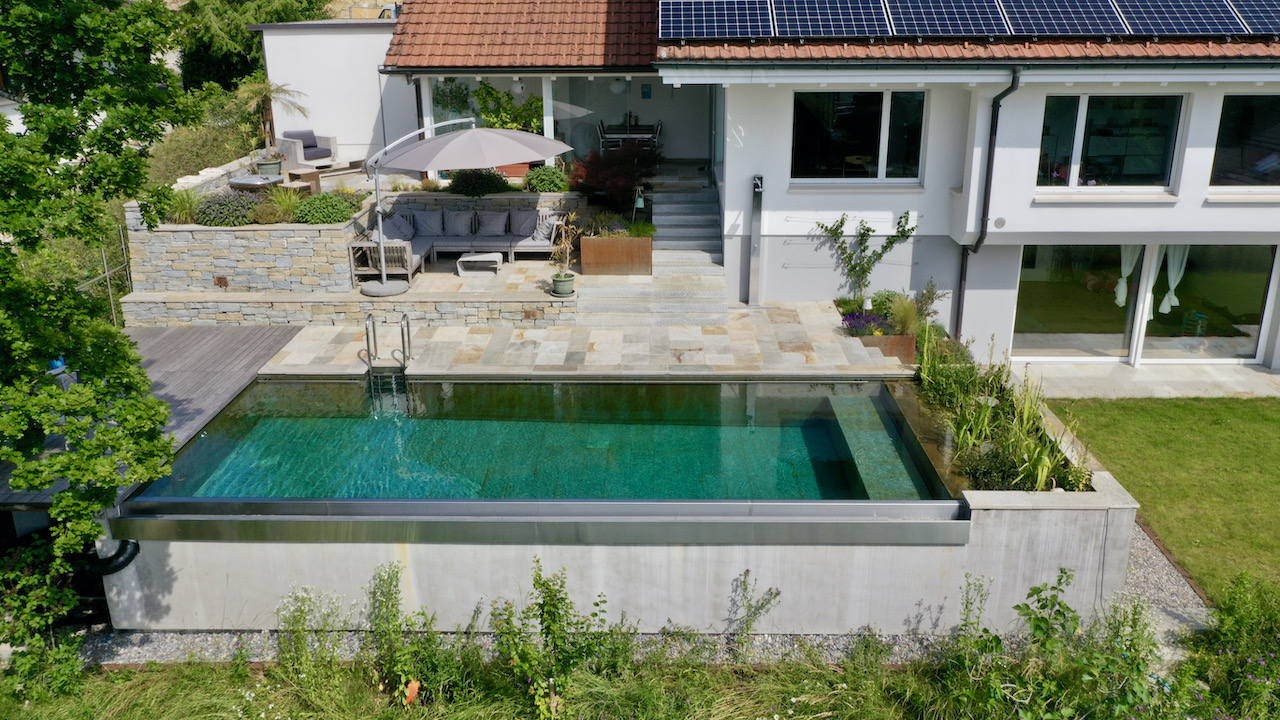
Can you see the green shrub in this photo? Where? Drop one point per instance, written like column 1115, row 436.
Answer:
column 1237, row 656
column 324, row 209
column 228, row 208
column 352, row 198
column 182, row 207
column 286, row 201
column 547, row 178
column 477, row 183
column 267, row 214
column 882, row 301
column 848, row 304
column 606, row 224
column 641, row 228
column 905, row 315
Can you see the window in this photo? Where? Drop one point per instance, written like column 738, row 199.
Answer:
column 1108, row 140
column 1248, row 150
column 857, row 135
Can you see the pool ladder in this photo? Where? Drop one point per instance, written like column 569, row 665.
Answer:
column 388, row 384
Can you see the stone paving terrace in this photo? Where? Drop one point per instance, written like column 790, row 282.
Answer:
column 783, row 340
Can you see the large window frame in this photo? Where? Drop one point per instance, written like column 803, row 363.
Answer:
column 1074, row 180
column 1220, row 175
column 882, row 162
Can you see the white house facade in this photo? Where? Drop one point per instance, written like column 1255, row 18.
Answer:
column 1127, row 211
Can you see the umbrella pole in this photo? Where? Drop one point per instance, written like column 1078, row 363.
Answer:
column 377, row 210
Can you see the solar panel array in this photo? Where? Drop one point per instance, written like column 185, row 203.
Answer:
column 693, row 19
column 830, row 18
column 714, row 19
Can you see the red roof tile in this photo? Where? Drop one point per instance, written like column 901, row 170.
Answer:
column 1058, row 50
column 525, row 34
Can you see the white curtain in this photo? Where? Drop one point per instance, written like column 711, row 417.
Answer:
column 1177, row 265
column 1129, row 255
column 1151, row 305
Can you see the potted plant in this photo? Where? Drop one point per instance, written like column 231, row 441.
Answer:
column 256, row 94
column 499, row 109
column 611, row 246
column 566, row 235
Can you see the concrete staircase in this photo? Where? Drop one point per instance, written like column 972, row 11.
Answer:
column 687, row 287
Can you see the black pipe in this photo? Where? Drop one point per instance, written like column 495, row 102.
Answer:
column 986, row 196
column 124, row 554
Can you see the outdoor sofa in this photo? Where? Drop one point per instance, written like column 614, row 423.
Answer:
column 304, row 149
column 412, row 235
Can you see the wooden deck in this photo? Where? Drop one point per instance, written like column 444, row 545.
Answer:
column 196, row 370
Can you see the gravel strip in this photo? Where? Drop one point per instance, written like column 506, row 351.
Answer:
column 1175, row 607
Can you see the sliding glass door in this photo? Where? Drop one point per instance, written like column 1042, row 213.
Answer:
column 1207, row 302
column 1158, row 303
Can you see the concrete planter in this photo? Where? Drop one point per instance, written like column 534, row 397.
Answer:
column 616, row 255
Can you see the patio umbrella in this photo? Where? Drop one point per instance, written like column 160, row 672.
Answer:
column 458, row 150
column 473, row 148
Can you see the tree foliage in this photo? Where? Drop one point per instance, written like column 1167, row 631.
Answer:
column 95, row 96
column 217, row 44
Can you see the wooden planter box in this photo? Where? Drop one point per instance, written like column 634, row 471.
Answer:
column 902, row 347
column 617, row 255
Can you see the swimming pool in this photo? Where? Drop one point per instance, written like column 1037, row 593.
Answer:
column 554, row 441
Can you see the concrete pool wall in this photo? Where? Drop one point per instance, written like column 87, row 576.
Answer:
column 878, row 578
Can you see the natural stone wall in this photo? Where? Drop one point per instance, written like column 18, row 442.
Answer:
column 175, row 310
column 196, row 258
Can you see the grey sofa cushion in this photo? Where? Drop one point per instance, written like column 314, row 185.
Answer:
column 428, row 223
column 524, row 222
column 308, row 137
column 397, row 227
column 492, row 223
column 543, row 234
column 458, row 222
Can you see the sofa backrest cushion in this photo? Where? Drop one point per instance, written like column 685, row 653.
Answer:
column 458, row 222
column 397, row 227
column 308, row 137
column 492, row 223
column 428, row 223
column 524, row 222
column 545, row 226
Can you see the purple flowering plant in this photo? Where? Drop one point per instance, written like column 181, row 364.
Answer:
column 865, row 322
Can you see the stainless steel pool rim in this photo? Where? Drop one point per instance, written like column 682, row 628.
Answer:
column 586, row 522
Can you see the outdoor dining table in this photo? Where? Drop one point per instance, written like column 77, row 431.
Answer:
column 613, row 136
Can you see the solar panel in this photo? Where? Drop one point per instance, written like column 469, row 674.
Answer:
column 1179, row 17
column 1062, row 17
column 688, row 19
column 830, row 18
column 946, row 17
column 1262, row 16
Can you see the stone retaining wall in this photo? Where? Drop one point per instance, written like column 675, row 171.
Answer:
column 181, row 309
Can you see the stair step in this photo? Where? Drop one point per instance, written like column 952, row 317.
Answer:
column 680, row 244
column 708, row 196
column 700, row 269
column 642, row 293
column 685, row 208
column 650, row 319
column 695, row 232
column 699, row 221
column 686, row 257
column 588, row 304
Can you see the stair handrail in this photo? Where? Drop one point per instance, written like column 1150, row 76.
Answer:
column 371, row 337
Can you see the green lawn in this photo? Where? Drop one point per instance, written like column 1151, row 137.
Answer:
column 1206, row 471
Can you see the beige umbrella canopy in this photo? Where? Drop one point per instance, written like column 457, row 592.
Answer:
column 458, row 150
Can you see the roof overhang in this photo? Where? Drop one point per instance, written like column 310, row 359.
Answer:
column 747, row 72
column 517, row 71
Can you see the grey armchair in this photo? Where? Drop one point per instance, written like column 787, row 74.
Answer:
column 303, row 148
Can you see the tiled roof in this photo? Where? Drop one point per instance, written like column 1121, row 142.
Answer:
column 1056, row 50
column 525, row 34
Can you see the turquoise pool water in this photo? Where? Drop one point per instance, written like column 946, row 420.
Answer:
column 562, row 441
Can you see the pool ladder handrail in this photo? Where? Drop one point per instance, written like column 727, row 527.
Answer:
column 371, row 340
